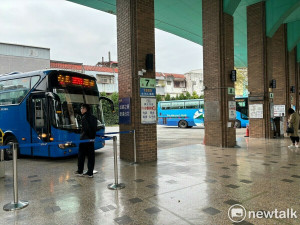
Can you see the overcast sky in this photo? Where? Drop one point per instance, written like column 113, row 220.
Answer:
column 76, row 33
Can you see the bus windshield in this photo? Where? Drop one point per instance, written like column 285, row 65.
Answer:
column 67, row 109
column 73, row 90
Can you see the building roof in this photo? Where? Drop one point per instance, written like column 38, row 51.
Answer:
column 100, row 69
column 66, row 65
column 20, row 45
column 80, row 66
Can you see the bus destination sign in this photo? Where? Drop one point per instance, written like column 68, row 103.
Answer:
column 78, row 81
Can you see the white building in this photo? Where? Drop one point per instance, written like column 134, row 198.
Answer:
column 194, row 81
column 107, row 78
column 170, row 83
column 23, row 58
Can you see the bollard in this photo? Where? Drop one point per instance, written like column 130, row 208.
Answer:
column 134, row 149
column 247, row 131
column 2, row 163
column 16, row 204
column 116, row 185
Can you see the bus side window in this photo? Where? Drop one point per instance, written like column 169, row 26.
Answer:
column 201, row 104
column 192, row 104
column 177, row 105
column 165, row 105
column 244, row 113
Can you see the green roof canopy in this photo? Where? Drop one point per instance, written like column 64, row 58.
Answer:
column 184, row 19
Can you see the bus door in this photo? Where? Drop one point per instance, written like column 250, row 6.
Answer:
column 38, row 114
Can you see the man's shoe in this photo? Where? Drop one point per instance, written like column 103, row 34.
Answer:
column 79, row 174
column 297, row 146
column 88, row 175
column 291, row 146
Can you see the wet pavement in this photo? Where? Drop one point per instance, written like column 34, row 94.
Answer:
column 189, row 184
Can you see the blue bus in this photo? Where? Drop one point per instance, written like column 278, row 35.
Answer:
column 189, row 113
column 181, row 113
column 44, row 106
column 241, row 112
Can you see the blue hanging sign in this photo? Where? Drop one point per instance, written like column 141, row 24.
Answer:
column 124, row 111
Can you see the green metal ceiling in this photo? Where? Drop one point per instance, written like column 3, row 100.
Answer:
column 184, row 19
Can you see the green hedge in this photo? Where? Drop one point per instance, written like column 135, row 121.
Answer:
column 111, row 118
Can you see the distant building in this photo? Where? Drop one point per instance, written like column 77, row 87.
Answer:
column 170, row 83
column 23, row 58
column 110, row 64
column 107, row 78
column 194, row 81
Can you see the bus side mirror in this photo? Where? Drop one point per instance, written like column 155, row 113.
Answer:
column 110, row 102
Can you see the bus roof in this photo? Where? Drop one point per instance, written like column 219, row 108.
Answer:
column 14, row 75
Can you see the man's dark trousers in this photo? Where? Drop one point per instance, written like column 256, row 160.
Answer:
column 86, row 149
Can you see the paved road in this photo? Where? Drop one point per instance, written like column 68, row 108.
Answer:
column 169, row 137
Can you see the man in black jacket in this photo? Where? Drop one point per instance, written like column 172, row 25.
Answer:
column 88, row 131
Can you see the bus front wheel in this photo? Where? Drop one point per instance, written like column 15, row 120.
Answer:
column 8, row 153
column 182, row 124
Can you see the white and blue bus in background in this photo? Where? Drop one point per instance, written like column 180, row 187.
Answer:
column 181, row 113
column 44, row 106
column 189, row 113
column 241, row 112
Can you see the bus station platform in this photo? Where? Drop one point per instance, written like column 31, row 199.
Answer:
column 190, row 184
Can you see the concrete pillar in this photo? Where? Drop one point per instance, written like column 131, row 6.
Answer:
column 258, row 80
column 135, row 33
column 218, row 56
column 293, row 79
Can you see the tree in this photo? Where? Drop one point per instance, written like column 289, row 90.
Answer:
column 110, row 118
column 182, row 96
column 195, row 95
column 158, row 98
column 167, row 97
column 241, row 84
column 188, row 95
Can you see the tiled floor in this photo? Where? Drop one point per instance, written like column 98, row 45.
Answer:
column 193, row 184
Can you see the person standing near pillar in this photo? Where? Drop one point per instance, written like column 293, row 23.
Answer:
column 293, row 122
column 88, row 131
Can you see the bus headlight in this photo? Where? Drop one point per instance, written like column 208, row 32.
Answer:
column 66, row 145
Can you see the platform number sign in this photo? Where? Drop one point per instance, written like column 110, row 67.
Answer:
column 147, row 87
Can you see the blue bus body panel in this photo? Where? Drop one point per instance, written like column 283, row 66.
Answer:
column 239, row 116
column 20, row 128
column 171, row 117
